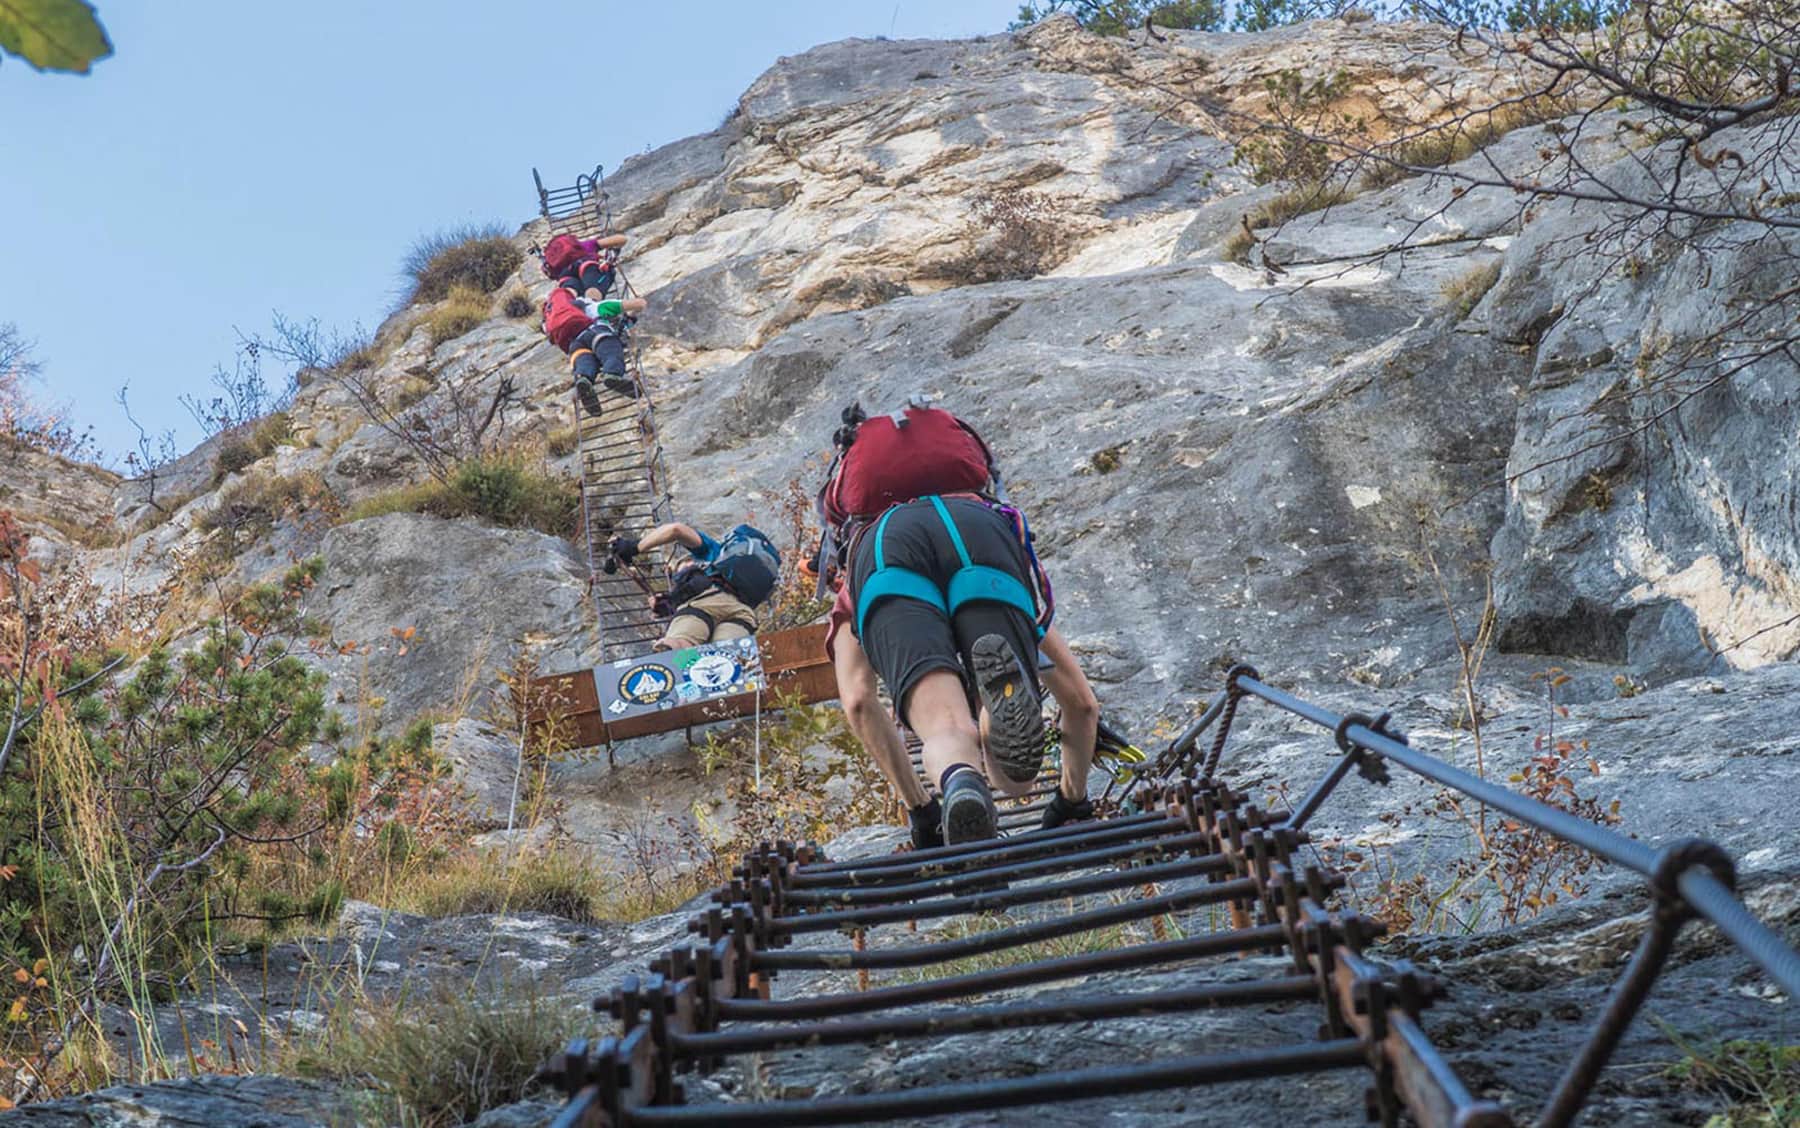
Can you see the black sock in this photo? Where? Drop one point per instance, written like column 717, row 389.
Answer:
column 923, row 810
column 944, row 780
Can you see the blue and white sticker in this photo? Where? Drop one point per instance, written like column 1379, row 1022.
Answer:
column 714, row 672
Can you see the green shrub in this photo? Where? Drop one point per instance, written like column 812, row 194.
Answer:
column 196, row 753
column 502, row 491
column 480, row 257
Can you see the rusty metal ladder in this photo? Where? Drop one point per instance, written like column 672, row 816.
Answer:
column 624, row 476
column 1181, row 846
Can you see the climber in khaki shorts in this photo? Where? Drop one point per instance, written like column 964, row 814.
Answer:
column 715, row 593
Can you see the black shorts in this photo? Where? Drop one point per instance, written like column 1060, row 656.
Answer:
column 906, row 639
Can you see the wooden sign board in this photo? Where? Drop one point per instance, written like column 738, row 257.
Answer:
column 793, row 665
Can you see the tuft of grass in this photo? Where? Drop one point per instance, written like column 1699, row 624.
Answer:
column 1108, row 459
column 503, row 491
column 1464, row 292
column 462, row 310
column 563, row 441
column 251, row 444
column 518, row 304
column 445, row 1059
column 1297, row 201
column 1460, row 139
column 249, row 509
column 560, row 881
column 97, row 532
column 479, row 256
column 1761, row 1080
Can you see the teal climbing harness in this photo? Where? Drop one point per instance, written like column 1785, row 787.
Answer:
column 969, row 584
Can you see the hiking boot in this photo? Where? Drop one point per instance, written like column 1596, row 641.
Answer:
column 590, row 399
column 927, row 825
column 624, row 385
column 969, row 814
column 1015, row 717
column 1063, row 810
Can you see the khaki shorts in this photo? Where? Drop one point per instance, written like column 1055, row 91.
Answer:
column 687, row 630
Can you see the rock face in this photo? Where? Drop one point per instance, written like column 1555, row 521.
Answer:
column 45, row 490
column 1670, row 549
column 471, row 594
column 197, row 1102
column 1326, row 466
column 1224, row 463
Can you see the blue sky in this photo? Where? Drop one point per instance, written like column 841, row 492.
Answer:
column 235, row 158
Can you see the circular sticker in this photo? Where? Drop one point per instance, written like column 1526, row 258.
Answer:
column 646, row 683
column 713, row 672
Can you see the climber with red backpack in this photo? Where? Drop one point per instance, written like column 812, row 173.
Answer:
column 585, row 267
column 594, row 334
column 717, row 590
column 946, row 601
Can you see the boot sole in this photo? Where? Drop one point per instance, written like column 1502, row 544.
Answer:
column 590, row 399
column 968, row 817
column 1015, row 716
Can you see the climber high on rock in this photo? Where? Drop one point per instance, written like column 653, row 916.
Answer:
column 584, row 267
column 945, row 600
column 594, row 334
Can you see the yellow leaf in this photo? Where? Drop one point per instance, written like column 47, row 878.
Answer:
column 41, row 966
column 20, row 975
column 17, row 1013
column 5, row 1104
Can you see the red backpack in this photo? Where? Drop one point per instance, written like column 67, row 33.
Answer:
column 563, row 319
column 932, row 452
column 560, row 254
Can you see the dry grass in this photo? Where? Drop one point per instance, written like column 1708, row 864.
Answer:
column 560, row 881
column 503, row 491
column 563, row 441
column 1464, row 292
column 441, row 1060
column 251, row 443
column 1291, row 204
column 463, row 309
column 1460, row 139
column 250, row 508
column 480, row 257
